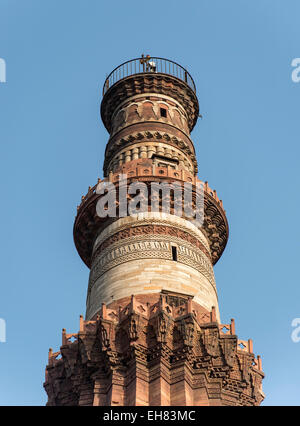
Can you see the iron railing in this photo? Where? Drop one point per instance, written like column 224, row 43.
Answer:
column 148, row 65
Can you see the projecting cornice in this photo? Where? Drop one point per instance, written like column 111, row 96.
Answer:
column 88, row 224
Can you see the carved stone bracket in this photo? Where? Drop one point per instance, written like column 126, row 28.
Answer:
column 143, row 337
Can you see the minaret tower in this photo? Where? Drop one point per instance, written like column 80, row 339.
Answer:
column 152, row 334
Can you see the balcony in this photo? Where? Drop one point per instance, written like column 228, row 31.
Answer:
column 148, row 64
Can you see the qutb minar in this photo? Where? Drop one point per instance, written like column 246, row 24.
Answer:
column 152, row 333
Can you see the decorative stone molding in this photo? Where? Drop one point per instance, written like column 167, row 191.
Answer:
column 117, row 145
column 164, row 344
column 150, row 150
column 161, row 223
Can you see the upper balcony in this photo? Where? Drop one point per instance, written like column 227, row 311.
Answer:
column 148, row 64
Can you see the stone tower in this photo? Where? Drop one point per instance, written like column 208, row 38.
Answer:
column 152, row 334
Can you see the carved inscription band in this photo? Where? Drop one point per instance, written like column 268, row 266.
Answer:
column 154, row 230
column 151, row 246
column 179, row 227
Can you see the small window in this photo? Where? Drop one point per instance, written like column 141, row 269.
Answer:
column 162, row 165
column 174, row 253
column 163, row 112
column 162, row 161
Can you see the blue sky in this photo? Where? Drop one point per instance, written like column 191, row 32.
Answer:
column 58, row 54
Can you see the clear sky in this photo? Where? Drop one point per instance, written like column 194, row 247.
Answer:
column 57, row 54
